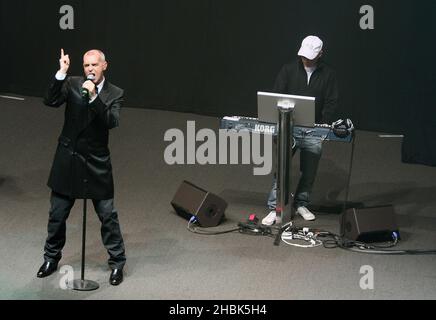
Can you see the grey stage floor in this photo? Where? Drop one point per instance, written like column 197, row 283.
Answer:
column 165, row 260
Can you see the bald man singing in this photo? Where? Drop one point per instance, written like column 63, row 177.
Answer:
column 82, row 167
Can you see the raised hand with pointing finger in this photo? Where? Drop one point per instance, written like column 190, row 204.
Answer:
column 64, row 62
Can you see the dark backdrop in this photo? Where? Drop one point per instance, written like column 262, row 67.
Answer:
column 212, row 56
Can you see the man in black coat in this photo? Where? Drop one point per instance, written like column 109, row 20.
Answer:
column 82, row 167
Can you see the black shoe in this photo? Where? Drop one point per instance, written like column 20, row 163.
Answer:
column 47, row 269
column 116, row 277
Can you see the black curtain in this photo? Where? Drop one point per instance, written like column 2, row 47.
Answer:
column 212, row 56
column 419, row 144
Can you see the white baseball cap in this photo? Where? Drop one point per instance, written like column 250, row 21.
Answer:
column 310, row 47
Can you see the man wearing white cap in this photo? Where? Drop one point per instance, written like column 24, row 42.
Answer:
column 307, row 76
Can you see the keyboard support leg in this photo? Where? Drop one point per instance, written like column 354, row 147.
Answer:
column 284, row 163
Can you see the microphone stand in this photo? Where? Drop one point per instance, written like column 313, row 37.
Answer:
column 82, row 284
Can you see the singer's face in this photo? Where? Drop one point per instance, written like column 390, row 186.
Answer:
column 93, row 64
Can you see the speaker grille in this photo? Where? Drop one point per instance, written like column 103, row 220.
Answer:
column 189, row 197
column 372, row 224
column 191, row 200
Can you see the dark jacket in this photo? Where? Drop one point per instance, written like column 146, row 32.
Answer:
column 82, row 167
column 292, row 79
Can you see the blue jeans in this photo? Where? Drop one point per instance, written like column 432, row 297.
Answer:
column 310, row 153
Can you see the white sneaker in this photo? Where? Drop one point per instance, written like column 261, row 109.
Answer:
column 306, row 214
column 271, row 218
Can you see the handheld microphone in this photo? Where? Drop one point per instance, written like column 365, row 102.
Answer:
column 85, row 92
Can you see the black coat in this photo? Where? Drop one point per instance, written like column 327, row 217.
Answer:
column 292, row 79
column 82, row 167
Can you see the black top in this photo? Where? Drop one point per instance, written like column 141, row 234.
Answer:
column 292, row 79
column 82, row 167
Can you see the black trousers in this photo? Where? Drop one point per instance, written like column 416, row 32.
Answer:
column 110, row 229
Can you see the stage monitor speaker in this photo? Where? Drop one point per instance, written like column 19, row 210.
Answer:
column 373, row 224
column 191, row 200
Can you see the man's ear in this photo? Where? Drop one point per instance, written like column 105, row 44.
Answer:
column 104, row 66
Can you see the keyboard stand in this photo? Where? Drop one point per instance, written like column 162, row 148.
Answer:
column 284, row 165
